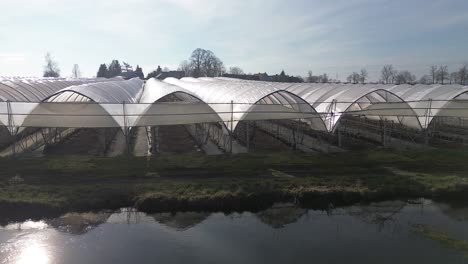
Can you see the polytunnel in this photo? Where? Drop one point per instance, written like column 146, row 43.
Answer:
column 94, row 104
column 429, row 101
column 166, row 104
column 125, row 103
column 21, row 96
column 30, row 90
column 336, row 100
column 242, row 100
column 331, row 101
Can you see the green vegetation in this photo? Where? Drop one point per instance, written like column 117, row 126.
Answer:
column 250, row 181
column 441, row 237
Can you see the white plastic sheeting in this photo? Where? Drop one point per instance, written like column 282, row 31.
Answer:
column 99, row 104
column 155, row 109
column 35, row 90
column 337, row 99
column 246, row 100
column 411, row 105
column 428, row 101
column 119, row 103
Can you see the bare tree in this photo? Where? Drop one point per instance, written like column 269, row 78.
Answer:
column 434, row 73
column 426, row 79
column 443, row 73
column 51, row 68
column 454, row 78
column 405, row 77
column 311, row 78
column 76, row 73
column 186, row 68
column 166, row 69
column 354, row 78
column 324, row 78
column 236, row 70
column 205, row 63
column 388, row 74
column 363, row 76
column 463, row 74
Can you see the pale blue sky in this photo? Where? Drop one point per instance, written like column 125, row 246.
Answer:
column 334, row 37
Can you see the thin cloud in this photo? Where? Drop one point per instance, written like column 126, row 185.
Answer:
column 259, row 35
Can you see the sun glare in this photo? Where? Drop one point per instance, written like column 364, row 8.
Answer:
column 33, row 254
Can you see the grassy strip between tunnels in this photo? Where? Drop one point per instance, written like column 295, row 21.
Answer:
column 240, row 182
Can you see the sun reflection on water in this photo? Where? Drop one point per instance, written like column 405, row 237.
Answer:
column 28, row 225
column 33, row 254
column 29, row 244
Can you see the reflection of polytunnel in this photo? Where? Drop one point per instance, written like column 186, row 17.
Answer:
column 243, row 100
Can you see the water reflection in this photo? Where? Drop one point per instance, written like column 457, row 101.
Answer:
column 180, row 221
column 27, row 248
column 336, row 235
column 33, row 253
column 382, row 214
column 79, row 223
column 456, row 212
column 27, row 225
column 281, row 215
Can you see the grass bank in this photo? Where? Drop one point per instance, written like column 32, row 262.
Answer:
column 224, row 183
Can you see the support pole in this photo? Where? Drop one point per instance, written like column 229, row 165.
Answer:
column 428, row 116
column 155, row 134
column 248, row 135
column 294, row 137
column 384, row 139
column 340, row 143
column 126, row 130
column 232, row 125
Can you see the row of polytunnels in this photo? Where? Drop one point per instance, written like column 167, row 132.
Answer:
column 217, row 115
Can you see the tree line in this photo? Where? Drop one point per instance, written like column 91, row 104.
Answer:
column 204, row 63
column 115, row 69
column 437, row 75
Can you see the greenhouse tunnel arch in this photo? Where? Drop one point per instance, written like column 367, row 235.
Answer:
column 320, row 126
column 400, row 100
column 187, row 94
column 90, row 101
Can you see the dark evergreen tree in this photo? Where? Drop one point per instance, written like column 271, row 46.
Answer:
column 282, row 77
column 114, row 69
column 102, row 72
column 154, row 73
column 139, row 72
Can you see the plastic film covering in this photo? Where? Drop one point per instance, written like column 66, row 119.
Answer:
column 411, row 105
column 338, row 99
column 168, row 104
column 119, row 103
column 115, row 91
column 331, row 101
column 35, row 90
column 248, row 100
column 428, row 101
